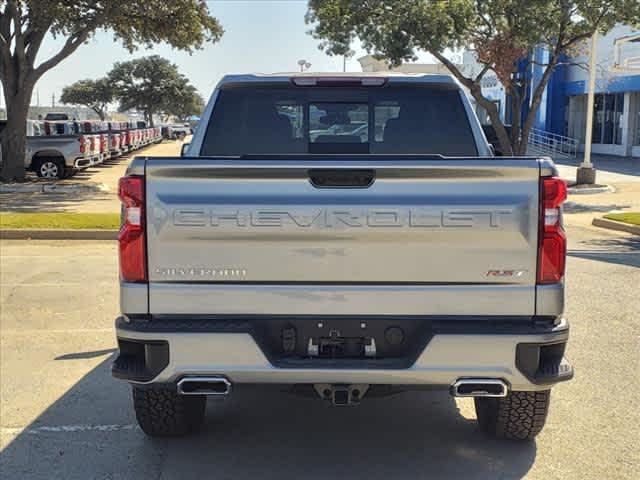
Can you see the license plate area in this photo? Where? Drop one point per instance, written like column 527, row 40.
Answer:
column 335, row 346
column 340, row 347
column 309, row 342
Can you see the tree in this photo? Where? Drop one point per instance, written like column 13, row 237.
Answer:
column 503, row 33
column 150, row 84
column 95, row 94
column 188, row 102
column 24, row 24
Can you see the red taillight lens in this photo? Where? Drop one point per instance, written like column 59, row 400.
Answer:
column 133, row 255
column 83, row 144
column 552, row 244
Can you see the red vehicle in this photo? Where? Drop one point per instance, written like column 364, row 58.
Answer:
column 104, row 146
column 115, row 144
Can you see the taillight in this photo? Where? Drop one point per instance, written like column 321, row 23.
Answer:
column 83, row 144
column 552, row 242
column 133, row 261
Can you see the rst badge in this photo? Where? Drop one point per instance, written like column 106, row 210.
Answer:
column 506, row 273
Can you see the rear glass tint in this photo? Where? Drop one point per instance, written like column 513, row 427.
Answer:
column 253, row 120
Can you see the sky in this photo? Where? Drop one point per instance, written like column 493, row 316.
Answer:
column 260, row 36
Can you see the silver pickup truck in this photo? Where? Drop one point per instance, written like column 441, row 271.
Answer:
column 54, row 156
column 389, row 252
column 58, row 156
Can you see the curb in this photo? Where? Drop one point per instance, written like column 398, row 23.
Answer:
column 613, row 225
column 52, row 188
column 588, row 191
column 29, row 234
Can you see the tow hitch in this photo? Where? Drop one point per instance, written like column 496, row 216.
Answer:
column 341, row 395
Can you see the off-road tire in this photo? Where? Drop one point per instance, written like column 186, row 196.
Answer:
column 164, row 413
column 518, row 416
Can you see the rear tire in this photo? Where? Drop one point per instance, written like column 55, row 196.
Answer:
column 518, row 416
column 50, row 168
column 164, row 413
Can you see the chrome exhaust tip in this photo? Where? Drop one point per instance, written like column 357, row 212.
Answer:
column 479, row 387
column 212, row 385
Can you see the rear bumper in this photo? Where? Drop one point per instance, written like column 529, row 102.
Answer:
column 527, row 356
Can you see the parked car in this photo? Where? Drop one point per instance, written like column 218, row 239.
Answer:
column 115, row 147
column 105, row 147
column 179, row 131
column 340, row 267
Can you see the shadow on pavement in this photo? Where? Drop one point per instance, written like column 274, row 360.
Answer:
column 631, row 259
column 618, row 244
column 608, row 163
column 81, row 355
column 619, row 250
column 36, row 202
column 51, row 202
column 577, row 207
column 261, row 433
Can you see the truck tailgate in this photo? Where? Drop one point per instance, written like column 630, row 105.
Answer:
column 445, row 237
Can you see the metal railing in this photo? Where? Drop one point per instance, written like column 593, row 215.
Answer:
column 542, row 142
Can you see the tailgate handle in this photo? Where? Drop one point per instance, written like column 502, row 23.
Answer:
column 342, row 178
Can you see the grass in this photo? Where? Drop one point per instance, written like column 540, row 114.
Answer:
column 627, row 217
column 60, row 221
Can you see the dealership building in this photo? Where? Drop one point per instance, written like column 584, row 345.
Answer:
column 563, row 109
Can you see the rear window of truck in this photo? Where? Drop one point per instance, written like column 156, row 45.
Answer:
column 254, row 120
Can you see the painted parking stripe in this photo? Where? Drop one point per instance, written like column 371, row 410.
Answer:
column 69, row 330
column 68, row 429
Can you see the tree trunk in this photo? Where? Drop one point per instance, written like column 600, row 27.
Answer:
column 14, row 136
column 494, row 116
column 100, row 112
column 521, row 147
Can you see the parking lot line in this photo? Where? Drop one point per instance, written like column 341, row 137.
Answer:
column 67, row 429
column 61, row 331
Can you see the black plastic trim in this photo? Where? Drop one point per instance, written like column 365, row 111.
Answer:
column 544, row 363
column 440, row 324
column 140, row 360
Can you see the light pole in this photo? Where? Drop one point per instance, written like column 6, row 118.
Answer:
column 304, row 65
column 586, row 173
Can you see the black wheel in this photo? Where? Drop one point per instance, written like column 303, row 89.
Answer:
column 164, row 413
column 519, row 415
column 50, row 168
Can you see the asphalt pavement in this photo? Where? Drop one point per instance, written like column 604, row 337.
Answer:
column 63, row 416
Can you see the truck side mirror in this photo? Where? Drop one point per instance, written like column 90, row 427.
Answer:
column 184, row 150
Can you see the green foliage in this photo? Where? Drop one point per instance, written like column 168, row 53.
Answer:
column 154, row 85
column 184, row 24
column 95, row 94
column 188, row 102
column 501, row 32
